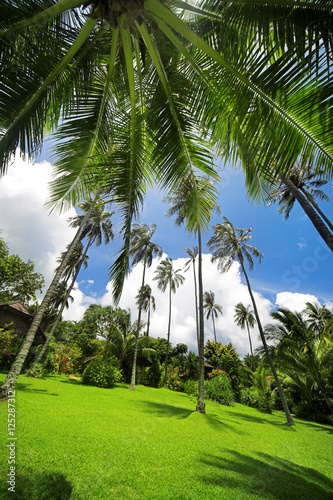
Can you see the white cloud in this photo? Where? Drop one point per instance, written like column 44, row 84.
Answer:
column 295, row 301
column 228, row 290
column 27, row 227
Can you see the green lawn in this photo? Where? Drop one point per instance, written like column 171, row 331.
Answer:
column 88, row 443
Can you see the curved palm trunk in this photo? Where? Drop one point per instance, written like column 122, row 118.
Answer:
column 201, row 390
column 315, row 205
column 216, row 350
column 168, row 339
column 132, row 385
column 248, row 331
column 311, row 213
column 41, row 354
column 262, row 336
column 16, row 367
column 196, row 303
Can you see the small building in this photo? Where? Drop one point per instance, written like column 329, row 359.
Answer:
column 208, row 368
column 19, row 319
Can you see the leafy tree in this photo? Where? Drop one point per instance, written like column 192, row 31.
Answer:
column 167, row 277
column 18, row 281
column 212, row 310
column 193, row 201
column 97, row 228
column 303, row 185
column 244, row 317
column 16, row 367
column 142, row 250
column 297, row 348
column 320, row 319
column 148, row 302
column 228, row 244
column 128, row 88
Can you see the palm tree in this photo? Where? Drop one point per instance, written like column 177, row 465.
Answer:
column 212, row 310
column 193, row 201
column 193, row 253
column 319, row 318
column 128, row 87
column 142, row 250
column 166, row 277
column 148, row 302
column 228, row 244
column 97, row 228
column 15, row 370
column 303, row 184
column 244, row 317
column 298, row 348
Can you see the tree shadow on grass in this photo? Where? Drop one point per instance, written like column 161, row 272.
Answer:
column 268, row 419
column 26, row 388
column 48, row 486
column 165, row 410
column 266, row 477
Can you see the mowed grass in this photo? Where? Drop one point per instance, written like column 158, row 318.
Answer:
column 83, row 442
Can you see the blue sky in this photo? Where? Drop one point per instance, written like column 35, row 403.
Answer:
column 297, row 266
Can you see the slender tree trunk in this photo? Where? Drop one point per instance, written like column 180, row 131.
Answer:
column 311, row 213
column 148, row 319
column 315, row 205
column 262, row 336
column 196, row 303
column 16, row 367
column 41, row 354
column 168, row 339
column 132, row 385
column 216, row 350
column 201, row 390
column 248, row 331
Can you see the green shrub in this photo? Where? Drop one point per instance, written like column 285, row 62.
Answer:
column 219, row 389
column 101, row 374
column 191, row 387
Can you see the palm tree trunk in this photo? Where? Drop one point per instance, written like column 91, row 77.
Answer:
column 311, row 213
column 216, row 350
column 133, row 377
column 196, row 303
column 201, row 389
column 41, row 354
column 168, row 339
column 248, row 331
column 148, row 319
column 262, row 336
column 16, row 367
column 315, row 205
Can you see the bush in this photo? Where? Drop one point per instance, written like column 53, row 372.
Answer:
column 191, row 387
column 101, row 374
column 219, row 389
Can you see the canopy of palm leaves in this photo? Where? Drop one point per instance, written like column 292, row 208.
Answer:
column 128, row 88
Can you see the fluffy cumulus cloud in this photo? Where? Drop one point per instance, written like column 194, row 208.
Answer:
column 228, row 289
column 28, row 228
column 295, row 301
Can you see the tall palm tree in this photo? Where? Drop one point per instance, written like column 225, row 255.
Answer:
column 97, row 228
column 303, row 184
column 148, row 302
column 212, row 310
column 128, row 87
column 193, row 201
column 244, row 317
column 229, row 244
column 166, row 277
column 15, row 370
column 142, row 250
column 193, row 253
